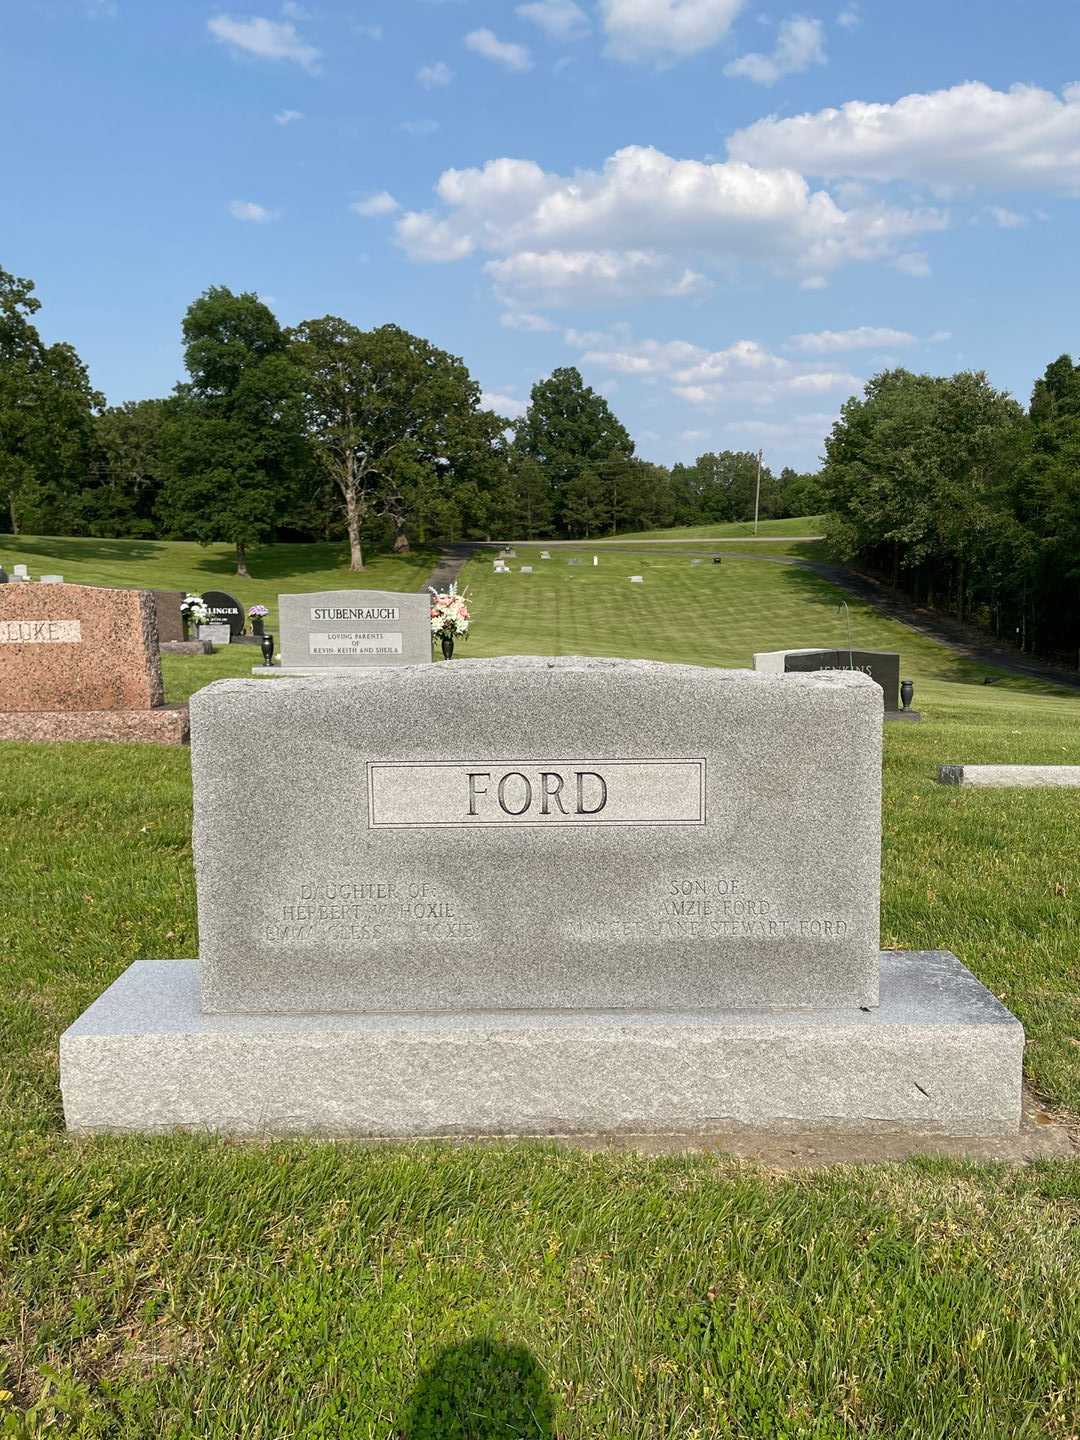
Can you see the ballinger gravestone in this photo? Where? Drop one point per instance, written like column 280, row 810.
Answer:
column 542, row 896
column 224, row 609
column 79, row 662
column 344, row 631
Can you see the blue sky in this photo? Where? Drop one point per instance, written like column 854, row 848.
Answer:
column 727, row 215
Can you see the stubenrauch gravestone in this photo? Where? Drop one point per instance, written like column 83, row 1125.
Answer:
column 335, row 631
column 524, row 895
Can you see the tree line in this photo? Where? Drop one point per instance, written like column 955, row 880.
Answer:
column 951, row 491
column 324, row 430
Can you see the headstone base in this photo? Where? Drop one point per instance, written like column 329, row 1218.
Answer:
column 912, row 715
column 165, row 725
column 941, row 1056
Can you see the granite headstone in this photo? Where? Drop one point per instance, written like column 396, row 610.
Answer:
column 353, row 630
column 81, row 662
column 542, row 896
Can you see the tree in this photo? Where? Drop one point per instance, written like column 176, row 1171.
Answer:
column 232, row 444
column 568, row 428
column 585, row 509
column 46, row 415
column 386, row 415
column 128, row 472
column 800, row 494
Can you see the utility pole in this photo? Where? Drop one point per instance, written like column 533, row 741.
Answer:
column 757, row 492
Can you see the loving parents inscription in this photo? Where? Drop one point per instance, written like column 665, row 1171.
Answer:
column 643, row 860
column 340, row 630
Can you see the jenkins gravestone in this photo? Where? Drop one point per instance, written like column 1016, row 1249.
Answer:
column 883, row 666
column 346, row 630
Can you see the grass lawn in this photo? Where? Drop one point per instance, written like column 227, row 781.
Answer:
column 183, row 565
column 189, row 1288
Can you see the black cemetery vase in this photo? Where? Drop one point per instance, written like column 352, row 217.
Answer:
column 257, row 625
column 907, row 690
column 447, row 643
column 268, row 649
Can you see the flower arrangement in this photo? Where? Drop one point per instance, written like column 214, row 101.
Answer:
column 258, row 612
column 449, row 614
column 194, row 610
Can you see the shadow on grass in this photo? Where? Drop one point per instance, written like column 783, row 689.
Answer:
column 480, row 1390
column 61, row 547
column 282, row 562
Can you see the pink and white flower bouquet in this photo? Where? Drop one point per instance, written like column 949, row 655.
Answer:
column 449, row 614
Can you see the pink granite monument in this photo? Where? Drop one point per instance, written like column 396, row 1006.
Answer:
column 78, row 662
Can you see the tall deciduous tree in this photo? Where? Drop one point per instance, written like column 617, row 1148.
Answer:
column 46, row 417
column 232, row 446
column 388, row 417
column 568, row 429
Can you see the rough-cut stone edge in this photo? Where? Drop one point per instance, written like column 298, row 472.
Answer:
column 1000, row 777
column 941, row 1056
column 167, row 725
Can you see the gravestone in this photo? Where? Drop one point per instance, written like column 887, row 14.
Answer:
column 80, row 662
column 611, row 895
column 637, row 579
column 52, row 580
column 883, row 667
column 695, row 562
column 3, row 576
column 216, row 633
column 545, row 554
column 170, row 621
column 20, row 572
column 224, row 609
column 526, row 569
column 349, row 631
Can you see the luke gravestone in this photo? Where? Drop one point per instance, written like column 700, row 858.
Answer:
column 345, row 631
column 80, row 662
column 542, row 896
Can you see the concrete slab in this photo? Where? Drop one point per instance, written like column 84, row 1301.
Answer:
column 1001, row 777
column 941, row 1056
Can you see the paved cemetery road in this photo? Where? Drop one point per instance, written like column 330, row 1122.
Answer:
column 962, row 639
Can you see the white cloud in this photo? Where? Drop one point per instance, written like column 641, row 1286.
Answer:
column 288, row 117
column 524, row 320
column 850, row 17
column 863, row 337
column 1006, row 219
column 502, row 52
column 914, row 262
column 559, row 19
column 502, row 404
column 382, row 203
column 268, row 39
column 800, row 43
column 251, row 212
column 969, row 135
column 744, row 387
column 665, row 30
column 647, row 224
column 432, row 76
column 569, row 277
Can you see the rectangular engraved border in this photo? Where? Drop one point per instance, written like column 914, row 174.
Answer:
column 373, row 824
